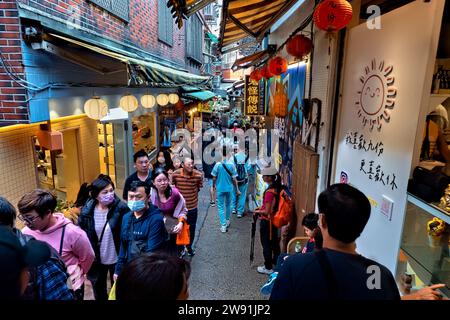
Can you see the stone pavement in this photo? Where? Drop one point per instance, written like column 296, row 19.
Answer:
column 221, row 266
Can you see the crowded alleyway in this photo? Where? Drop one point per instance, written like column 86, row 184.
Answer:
column 221, row 266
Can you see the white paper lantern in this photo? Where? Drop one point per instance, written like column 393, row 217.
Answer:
column 173, row 98
column 162, row 99
column 148, row 101
column 96, row 108
column 129, row 103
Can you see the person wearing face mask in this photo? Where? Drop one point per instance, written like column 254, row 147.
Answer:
column 142, row 229
column 101, row 219
column 172, row 205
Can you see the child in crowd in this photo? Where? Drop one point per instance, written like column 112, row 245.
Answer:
column 312, row 230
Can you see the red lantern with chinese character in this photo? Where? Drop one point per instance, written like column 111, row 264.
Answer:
column 277, row 66
column 256, row 75
column 179, row 105
column 299, row 46
column 266, row 73
column 333, row 15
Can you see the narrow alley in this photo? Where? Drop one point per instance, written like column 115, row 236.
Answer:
column 221, row 266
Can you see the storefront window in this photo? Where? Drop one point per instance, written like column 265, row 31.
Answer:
column 106, row 150
column 144, row 132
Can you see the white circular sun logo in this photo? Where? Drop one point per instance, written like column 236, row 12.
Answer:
column 377, row 95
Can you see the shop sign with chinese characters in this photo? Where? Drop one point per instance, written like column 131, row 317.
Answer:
column 252, row 99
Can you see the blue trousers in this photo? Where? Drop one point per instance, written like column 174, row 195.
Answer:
column 224, row 207
column 238, row 203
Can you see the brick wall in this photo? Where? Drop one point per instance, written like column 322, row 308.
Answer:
column 141, row 31
column 13, row 106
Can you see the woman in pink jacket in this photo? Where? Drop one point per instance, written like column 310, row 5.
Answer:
column 37, row 212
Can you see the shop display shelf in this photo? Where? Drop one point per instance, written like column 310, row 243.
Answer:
column 427, row 256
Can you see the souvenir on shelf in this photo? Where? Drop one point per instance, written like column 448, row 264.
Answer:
column 445, row 200
column 435, row 229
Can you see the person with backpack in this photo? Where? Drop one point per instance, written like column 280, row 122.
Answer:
column 142, row 229
column 224, row 177
column 47, row 281
column 240, row 160
column 270, row 239
column 37, row 212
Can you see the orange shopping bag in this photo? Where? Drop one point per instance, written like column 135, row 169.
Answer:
column 183, row 237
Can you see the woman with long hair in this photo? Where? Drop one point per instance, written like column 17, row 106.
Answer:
column 172, row 205
column 164, row 160
column 101, row 219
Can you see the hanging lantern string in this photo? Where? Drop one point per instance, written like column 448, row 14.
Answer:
column 301, row 27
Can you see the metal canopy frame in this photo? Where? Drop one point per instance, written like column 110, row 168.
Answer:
column 254, row 59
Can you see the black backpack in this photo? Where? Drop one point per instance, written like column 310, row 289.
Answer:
column 242, row 176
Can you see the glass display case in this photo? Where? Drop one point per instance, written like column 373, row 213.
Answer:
column 424, row 249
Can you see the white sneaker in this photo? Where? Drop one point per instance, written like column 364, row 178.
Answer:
column 223, row 229
column 228, row 223
column 263, row 270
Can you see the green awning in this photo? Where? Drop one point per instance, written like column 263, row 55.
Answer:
column 190, row 88
column 201, row 95
column 212, row 37
column 155, row 74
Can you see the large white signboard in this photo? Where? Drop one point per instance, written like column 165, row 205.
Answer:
column 385, row 71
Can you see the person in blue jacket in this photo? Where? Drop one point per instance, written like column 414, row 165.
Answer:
column 143, row 228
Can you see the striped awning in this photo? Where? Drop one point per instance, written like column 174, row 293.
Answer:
column 249, row 18
column 154, row 74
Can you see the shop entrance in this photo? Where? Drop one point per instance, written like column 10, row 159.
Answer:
column 59, row 170
column 115, row 150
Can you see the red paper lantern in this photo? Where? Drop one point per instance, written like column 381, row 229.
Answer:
column 299, row 46
column 277, row 65
column 266, row 73
column 256, row 75
column 333, row 15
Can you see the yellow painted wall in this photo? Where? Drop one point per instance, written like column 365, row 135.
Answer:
column 17, row 167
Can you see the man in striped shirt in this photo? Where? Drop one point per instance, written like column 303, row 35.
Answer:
column 189, row 181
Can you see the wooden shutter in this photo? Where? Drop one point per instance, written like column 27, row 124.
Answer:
column 194, row 36
column 165, row 23
column 119, row 8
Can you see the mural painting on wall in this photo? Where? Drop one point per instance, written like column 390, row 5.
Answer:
column 293, row 85
column 374, row 103
column 377, row 95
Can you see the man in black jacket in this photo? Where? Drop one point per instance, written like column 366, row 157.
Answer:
column 143, row 172
column 142, row 229
column 337, row 271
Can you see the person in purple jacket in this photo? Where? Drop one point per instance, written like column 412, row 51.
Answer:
column 173, row 208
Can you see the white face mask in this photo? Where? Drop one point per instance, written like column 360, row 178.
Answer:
column 161, row 160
